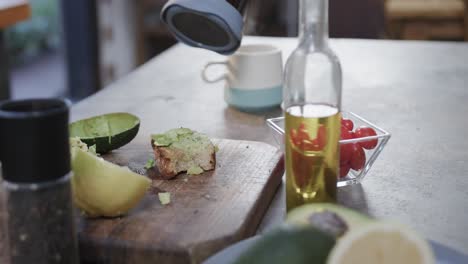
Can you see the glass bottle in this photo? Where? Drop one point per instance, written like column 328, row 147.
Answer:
column 312, row 101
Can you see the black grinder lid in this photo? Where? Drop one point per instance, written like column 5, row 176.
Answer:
column 34, row 144
column 210, row 24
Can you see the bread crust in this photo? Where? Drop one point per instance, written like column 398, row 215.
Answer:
column 168, row 159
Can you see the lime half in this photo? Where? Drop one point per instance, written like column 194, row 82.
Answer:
column 383, row 243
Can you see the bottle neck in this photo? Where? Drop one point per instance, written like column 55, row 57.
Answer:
column 313, row 28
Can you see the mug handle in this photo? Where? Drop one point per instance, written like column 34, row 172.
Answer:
column 205, row 77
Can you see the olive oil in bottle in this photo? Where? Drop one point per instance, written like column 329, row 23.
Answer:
column 312, row 102
column 312, row 133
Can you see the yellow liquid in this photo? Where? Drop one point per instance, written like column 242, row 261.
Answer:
column 312, row 154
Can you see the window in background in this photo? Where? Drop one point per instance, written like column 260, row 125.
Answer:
column 152, row 35
column 427, row 19
column 347, row 18
column 35, row 54
column 117, row 39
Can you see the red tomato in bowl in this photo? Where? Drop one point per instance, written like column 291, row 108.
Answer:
column 346, row 133
column 321, row 139
column 302, row 140
column 344, row 169
column 310, row 145
column 358, row 157
column 295, row 140
column 348, row 123
column 302, row 134
column 346, row 152
column 366, row 132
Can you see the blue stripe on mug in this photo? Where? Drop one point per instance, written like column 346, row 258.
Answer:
column 251, row 100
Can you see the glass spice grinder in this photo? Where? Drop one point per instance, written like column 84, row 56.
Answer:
column 35, row 156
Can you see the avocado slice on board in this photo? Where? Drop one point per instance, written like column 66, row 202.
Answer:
column 107, row 132
column 101, row 188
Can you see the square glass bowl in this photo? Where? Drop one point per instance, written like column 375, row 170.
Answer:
column 353, row 177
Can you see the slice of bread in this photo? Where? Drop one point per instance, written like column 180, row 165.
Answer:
column 183, row 150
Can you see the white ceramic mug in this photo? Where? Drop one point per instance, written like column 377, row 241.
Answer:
column 254, row 77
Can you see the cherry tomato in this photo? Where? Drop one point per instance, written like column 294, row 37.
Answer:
column 302, row 132
column 346, row 152
column 344, row 169
column 310, row 145
column 358, row 158
column 345, row 133
column 293, row 136
column 347, row 123
column 366, row 132
column 293, row 133
column 321, row 137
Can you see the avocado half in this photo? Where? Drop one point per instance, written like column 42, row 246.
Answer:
column 107, row 132
column 289, row 245
column 302, row 215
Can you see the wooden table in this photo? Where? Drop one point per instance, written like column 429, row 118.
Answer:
column 11, row 12
column 416, row 90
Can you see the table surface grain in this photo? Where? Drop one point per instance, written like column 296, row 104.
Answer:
column 418, row 91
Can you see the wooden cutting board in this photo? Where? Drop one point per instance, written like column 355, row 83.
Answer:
column 207, row 213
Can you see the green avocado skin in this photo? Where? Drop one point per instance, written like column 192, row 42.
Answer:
column 107, row 132
column 290, row 245
column 105, row 145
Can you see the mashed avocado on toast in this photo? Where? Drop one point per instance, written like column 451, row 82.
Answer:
column 183, row 150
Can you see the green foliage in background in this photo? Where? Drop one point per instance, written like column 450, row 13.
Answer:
column 40, row 33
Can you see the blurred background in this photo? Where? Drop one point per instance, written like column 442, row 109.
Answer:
column 74, row 48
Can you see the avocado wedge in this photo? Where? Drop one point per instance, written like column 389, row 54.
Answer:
column 107, row 132
column 101, row 188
